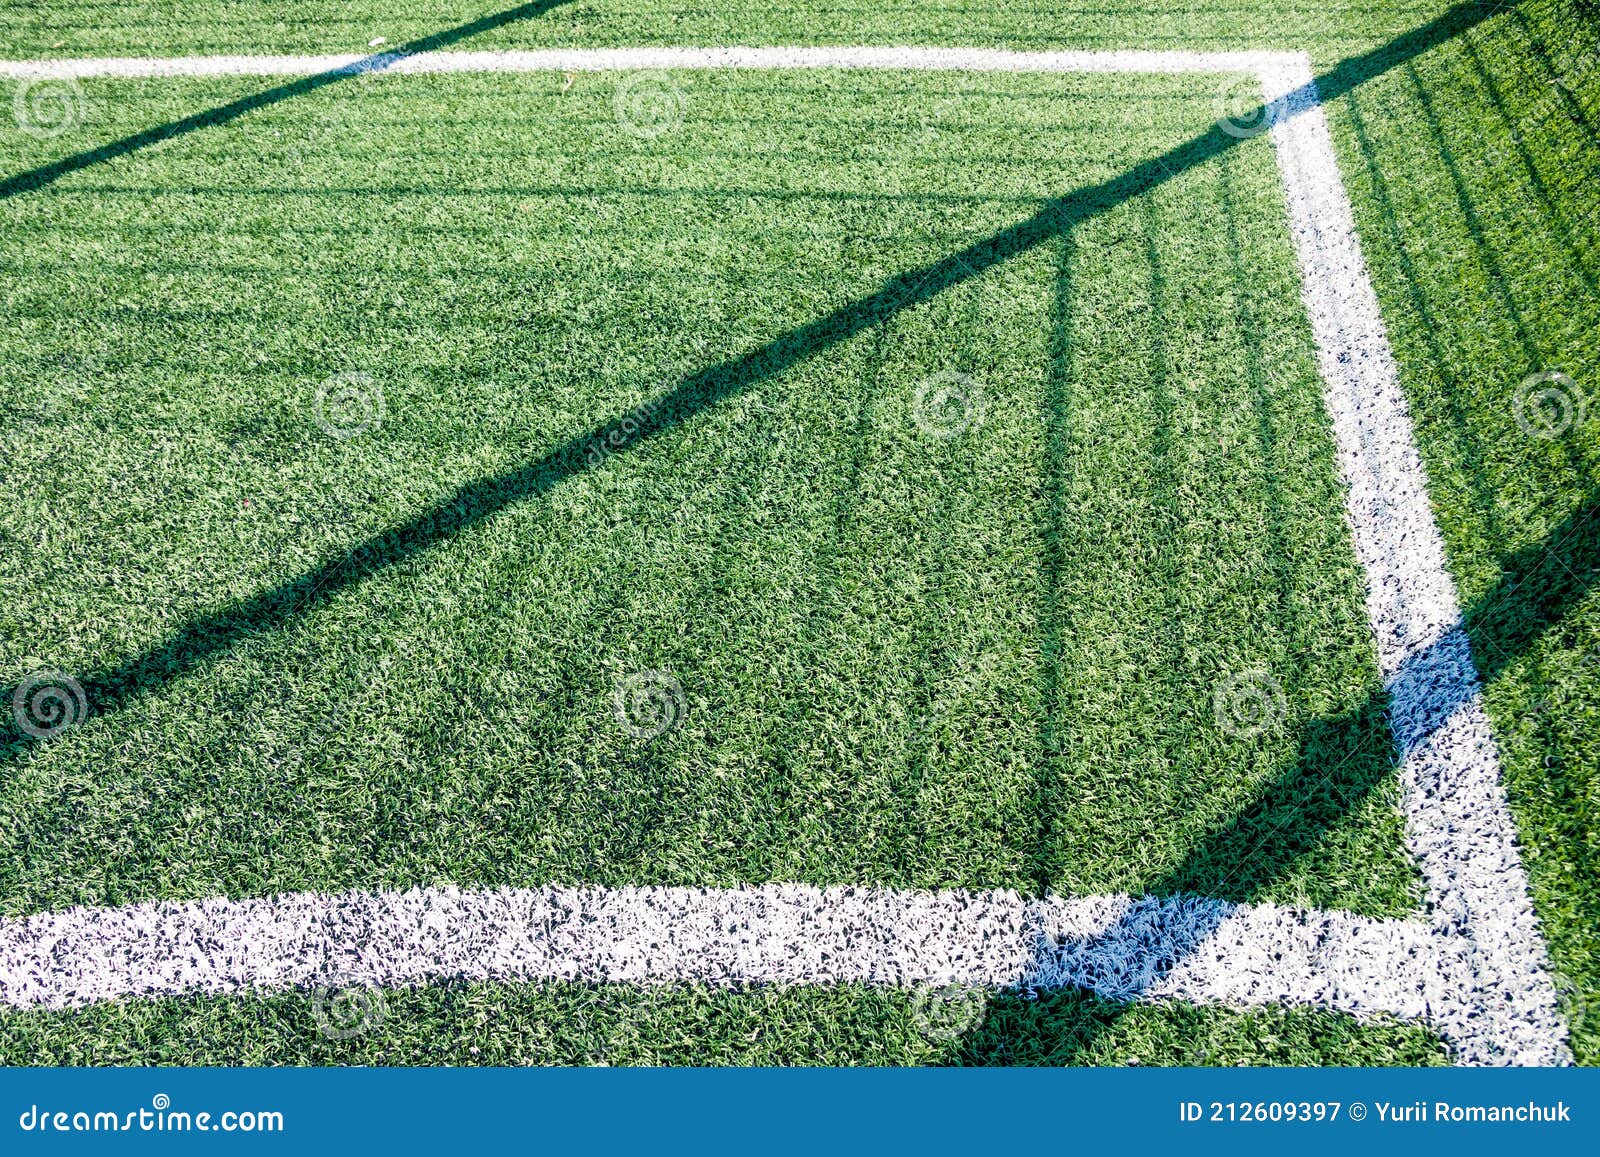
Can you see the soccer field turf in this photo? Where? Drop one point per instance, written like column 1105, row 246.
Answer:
column 325, row 484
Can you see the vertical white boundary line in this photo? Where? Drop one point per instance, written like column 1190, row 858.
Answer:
column 1458, row 823
column 1476, row 969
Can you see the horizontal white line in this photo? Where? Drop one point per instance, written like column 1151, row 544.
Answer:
column 627, row 59
column 1182, row 948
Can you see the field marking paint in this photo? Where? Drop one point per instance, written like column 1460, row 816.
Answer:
column 1180, row 947
column 1474, row 968
column 1458, row 822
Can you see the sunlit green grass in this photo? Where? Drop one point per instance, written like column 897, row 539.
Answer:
column 971, row 648
column 174, row 27
column 980, row 660
column 571, row 1024
column 970, row 645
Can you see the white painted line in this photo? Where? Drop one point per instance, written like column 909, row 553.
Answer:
column 630, row 59
column 1475, row 969
column 1182, row 948
column 1458, row 823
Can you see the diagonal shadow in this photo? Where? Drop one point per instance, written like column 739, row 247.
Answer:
column 50, row 173
column 1300, row 802
column 212, row 635
column 1539, row 584
column 1493, row 267
column 1468, row 445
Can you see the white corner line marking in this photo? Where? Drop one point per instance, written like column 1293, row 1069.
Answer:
column 1474, row 969
column 1458, row 822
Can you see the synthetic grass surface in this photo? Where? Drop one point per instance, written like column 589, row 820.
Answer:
column 571, row 1024
column 903, row 634
column 902, row 637
column 166, row 28
column 1472, row 174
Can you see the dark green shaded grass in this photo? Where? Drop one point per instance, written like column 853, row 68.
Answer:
column 571, row 1024
column 884, row 682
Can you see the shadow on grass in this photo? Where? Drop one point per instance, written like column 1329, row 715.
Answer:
column 211, row 118
column 215, row 634
column 1539, row 584
column 1289, row 818
column 1069, row 1026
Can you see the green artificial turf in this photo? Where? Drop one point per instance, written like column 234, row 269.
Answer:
column 897, row 649
column 1473, row 176
column 165, row 27
column 571, row 1024
column 985, row 661
column 987, row 658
